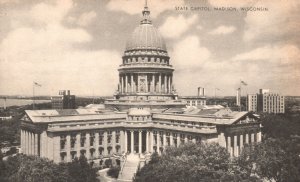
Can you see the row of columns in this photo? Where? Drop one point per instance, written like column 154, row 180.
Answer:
column 129, row 83
column 29, row 142
column 150, row 141
column 236, row 142
column 95, row 147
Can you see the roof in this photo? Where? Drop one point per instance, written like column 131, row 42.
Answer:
column 69, row 115
column 235, row 116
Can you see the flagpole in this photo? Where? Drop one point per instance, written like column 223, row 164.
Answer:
column 33, row 96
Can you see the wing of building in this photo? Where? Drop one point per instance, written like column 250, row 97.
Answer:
column 145, row 115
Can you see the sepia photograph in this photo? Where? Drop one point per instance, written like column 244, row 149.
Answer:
column 149, row 90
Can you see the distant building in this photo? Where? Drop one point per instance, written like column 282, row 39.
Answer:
column 199, row 100
column 267, row 102
column 252, row 102
column 63, row 101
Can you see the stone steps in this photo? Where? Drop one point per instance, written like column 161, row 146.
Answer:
column 130, row 168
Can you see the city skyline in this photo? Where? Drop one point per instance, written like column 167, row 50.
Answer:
column 78, row 46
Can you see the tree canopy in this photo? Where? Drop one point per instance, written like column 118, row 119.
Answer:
column 192, row 162
column 23, row 168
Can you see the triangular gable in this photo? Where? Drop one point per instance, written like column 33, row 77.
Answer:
column 247, row 118
column 26, row 118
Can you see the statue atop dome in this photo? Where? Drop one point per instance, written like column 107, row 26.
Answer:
column 146, row 14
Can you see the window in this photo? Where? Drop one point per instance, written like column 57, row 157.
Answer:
column 73, row 141
column 62, row 142
column 82, row 140
column 73, row 155
column 63, row 156
column 92, row 139
column 101, row 149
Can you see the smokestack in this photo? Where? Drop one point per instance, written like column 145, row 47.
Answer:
column 199, row 90
column 4, row 103
column 238, row 97
column 203, row 91
column 68, row 92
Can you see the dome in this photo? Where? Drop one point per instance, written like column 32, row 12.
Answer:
column 146, row 36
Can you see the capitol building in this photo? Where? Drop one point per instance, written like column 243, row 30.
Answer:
column 145, row 115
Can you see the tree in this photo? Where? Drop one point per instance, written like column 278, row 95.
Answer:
column 273, row 159
column 190, row 162
column 81, row 170
column 30, row 168
column 22, row 168
column 114, row 171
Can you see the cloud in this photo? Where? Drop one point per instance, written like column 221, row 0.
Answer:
column 9, row 1
column 222, row 30
column 188, row 52
column 47, row 52
column 174, row 27
column 46, row 13
column 280, row 19
column 134, row 7
column 86, row 18
column 286, row 54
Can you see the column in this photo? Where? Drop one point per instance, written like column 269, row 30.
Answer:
column 36, row 144
column 258, row 136
column 247, row 138
column 222, row 139
column 122, row 84
column 96, row 143
column 78, row 144
column 164, row 139
column 146, row 83
column 169, row 84
column 147, row 141
column 121, row 143
column 29, row 144
column 252, row 138
column 194, row 140
column 113, row 141
column 185, row 138
column 158, row 142
column 125, row 142
column 24, row 142
column 151, row 141
column 140, row 142
column 178, row 139
column 56, row 149
column 159, row 82
column 126, row 83
column 132, row 85
column 229, row 145
column 153, row 82
column 132, row 141
column 68, row 148
column 241, row 143
column 235, row 147
column 165, row 84
column 32, row 143
column 171, row 139
column 137, row 83
column 105, row 143
column 87, row 146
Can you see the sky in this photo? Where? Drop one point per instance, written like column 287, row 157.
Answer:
column 78, row 45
